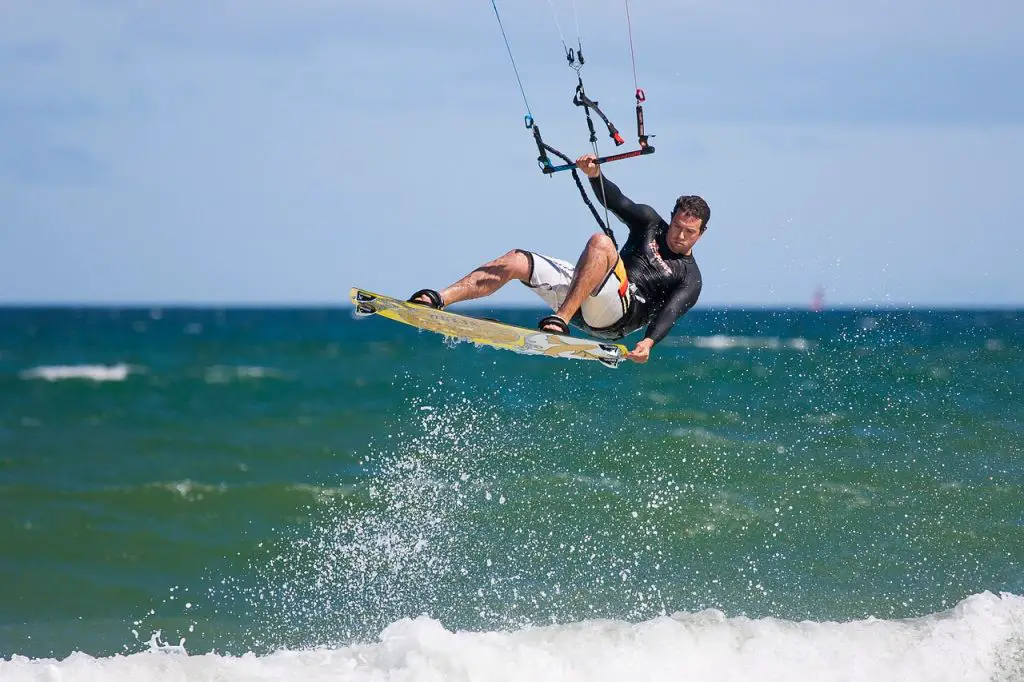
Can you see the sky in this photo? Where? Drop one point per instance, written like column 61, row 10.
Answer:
column 259, row 152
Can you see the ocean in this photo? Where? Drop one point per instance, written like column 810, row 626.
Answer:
column 257, row 494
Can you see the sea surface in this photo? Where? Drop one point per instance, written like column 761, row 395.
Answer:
column 254, row 494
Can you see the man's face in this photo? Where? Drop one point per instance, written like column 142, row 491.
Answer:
column 683, row 232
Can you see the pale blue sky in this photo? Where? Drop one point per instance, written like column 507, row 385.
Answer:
column 281, row 152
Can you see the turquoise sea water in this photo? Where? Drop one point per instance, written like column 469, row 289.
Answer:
column 776, row 495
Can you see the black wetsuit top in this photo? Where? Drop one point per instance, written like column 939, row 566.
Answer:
column 666, row 283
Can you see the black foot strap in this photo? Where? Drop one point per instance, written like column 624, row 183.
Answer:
column 435, row 298
column 553, row 321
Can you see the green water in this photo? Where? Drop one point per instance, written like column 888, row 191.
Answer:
column 251, row 478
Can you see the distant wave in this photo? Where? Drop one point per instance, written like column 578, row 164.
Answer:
column 700, row 434
column 118, row 372
column 223, row 374
column 186, row 490
column 216, row 374
column 723, row 342
column 194, row 491
column 981, row 639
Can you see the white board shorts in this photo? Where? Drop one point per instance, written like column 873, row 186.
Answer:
column 550, row 279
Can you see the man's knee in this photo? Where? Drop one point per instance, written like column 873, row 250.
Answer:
column 516, row 264
column 602, row 243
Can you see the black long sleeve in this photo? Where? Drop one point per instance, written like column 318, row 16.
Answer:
column 678, row 305
column 635, row 216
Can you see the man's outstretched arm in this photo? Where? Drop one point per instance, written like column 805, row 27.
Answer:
column 680, row 303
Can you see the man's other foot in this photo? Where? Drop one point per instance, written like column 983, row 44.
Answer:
column 555, row 324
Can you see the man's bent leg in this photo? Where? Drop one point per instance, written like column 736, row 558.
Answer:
column 596, row 261
column 487, row 278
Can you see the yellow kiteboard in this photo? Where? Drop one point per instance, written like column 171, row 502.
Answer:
column 487, row 332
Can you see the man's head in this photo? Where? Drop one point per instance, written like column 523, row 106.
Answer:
column 690, row 218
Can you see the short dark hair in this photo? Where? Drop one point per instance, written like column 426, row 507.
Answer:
column 695, row 206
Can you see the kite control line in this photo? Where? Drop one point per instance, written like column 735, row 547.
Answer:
column 575, row 60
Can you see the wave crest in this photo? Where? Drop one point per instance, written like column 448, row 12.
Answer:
column 98, row 373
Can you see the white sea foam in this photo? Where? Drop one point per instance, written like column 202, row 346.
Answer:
column 723, row 342
column 982, row 639
column 118, row 372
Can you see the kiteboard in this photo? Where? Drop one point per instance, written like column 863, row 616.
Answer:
column 487, row 332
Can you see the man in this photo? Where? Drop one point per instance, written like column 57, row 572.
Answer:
column 653, row 281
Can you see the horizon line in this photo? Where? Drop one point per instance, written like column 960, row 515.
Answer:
column 341, row 305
